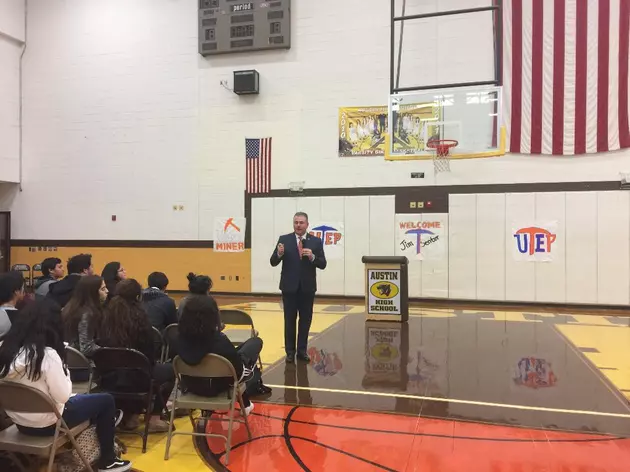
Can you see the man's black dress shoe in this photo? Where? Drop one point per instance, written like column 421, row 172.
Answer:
column 303, row 357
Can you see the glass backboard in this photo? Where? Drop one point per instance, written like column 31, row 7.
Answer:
column 470, row 115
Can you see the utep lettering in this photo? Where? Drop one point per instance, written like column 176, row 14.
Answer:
column 531, row 240
column 330, row 236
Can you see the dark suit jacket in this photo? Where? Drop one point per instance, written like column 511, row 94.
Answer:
column 296, row 272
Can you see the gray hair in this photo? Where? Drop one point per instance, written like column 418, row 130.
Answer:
column 301, row 213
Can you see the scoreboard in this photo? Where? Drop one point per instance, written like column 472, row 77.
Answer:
column 227, row 26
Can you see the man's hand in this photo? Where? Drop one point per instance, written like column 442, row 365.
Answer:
column 280, row 250
column 308, row 253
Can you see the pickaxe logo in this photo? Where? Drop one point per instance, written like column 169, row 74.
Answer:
column 230, row 222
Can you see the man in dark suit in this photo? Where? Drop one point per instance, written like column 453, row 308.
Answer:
column 301, row 254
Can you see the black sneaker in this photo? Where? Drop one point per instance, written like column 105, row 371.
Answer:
column 118, row 465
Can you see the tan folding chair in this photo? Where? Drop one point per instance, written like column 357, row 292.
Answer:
column 158, row 342
column 212, row 366
column 238, row 335
column 171, row 334
column 78, row 362
column 23, row 399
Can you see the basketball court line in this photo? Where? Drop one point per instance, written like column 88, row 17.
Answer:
column 594, row 370
column 452, row 400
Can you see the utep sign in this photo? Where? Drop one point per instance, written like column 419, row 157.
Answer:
column 229, row 234
column 421, row 237
column 534, row 242
column 384, row 292
column 332, row 236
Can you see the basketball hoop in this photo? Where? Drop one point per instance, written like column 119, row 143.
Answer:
column 441, row 154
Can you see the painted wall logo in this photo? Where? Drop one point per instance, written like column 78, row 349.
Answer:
column 420, row 237
column 532, row 372
column 384, row 290
column 534, row 242
column 328, row 234
column 323, row 362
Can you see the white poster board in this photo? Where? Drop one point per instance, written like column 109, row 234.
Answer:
column 229, row 234
column 333, row 238
column 421, row 236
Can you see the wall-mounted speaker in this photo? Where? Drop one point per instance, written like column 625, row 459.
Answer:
column 246, row 82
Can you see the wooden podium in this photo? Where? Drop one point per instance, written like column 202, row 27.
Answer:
column 386, row 288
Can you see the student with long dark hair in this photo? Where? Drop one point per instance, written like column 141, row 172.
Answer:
column 198, row 286
column 126, row 324
column 83, row 313
column 113, row 273
column 200, row 334
column 32, row 354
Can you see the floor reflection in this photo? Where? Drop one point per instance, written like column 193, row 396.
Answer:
column 455, row 367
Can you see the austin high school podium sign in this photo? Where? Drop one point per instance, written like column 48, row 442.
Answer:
column 386, row 288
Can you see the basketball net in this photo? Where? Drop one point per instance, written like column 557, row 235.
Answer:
column 441, row 154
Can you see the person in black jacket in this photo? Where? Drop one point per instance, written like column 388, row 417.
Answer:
column 158, row 305
column 301, row 254
column 78, row 266
column 125, row 324
column 200, row 334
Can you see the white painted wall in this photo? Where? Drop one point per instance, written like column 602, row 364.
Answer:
column 12, row 36
column 122, row 116
column 591, row 254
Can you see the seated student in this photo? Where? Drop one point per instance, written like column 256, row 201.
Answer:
column 11, row 293
column 32, row 354
column 200, row 334
column 83, row 313
column 78, row 266
column 198, row 286
column 125, row 324
column 52, row 270
column 113, row 272
column 158, row 305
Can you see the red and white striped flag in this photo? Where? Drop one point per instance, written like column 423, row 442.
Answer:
column 258, row 165
column 565, row 75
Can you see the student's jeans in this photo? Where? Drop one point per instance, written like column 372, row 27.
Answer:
column 99, row 409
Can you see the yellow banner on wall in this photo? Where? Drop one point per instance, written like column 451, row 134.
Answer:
column 362, row 129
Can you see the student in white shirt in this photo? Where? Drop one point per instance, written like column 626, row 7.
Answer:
column 32, row 354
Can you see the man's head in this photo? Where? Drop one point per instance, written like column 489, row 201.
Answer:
column 11, row 288
column 158, row 280
column 300, row 223
column 81, row 264
column 52, row 267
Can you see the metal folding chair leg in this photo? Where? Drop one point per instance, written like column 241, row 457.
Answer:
column 87, row 464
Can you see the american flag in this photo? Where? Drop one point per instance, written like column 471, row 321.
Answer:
column 258, row 164
column 565, row 75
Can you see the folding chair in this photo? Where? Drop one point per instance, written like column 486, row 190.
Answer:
column 171, row 335
column 78, row 364
column 212, row 366
column 23, row 399
column 112, row 363
column 158, row 341
column 239, row 336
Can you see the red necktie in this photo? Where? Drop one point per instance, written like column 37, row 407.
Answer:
column 300, row 247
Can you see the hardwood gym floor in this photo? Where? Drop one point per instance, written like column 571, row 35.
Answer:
column 456, row 389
